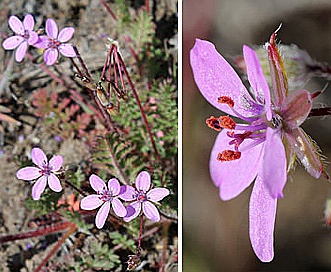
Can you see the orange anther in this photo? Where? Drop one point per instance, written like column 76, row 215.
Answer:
column 226, row 100
column 228, row 155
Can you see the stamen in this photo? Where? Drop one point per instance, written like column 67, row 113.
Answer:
column 228, row 155
column 226, row 100
column 221, row 122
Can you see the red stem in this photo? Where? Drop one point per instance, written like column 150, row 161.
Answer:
column 140, row 234
column 109, row 10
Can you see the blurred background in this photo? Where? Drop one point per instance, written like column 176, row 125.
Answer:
column 216, row 232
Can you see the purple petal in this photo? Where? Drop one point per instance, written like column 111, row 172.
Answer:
column 97, row 183
column 43, row 42
column 56, row 162
column 50, row 56
column 118, row 207
column 114, row 186
column 54, row 183
column 232, row 177
column 91, row 202
column 67, row 50
column 127, row 193
column 16, row 25
column 20, row 51
column 33, row 37
column 157, row 194
column 151, row 211
column 257, row 79
column 102, row 215
column 39, row 187
column 262, row 213
column 12, row 42
column 28, row 173
column 215, row 77
column 28, row 22
column 143, row 181
column 51, row 28
column 38, row 157
column 66, row 34
column 132, row 211
column 274, row 163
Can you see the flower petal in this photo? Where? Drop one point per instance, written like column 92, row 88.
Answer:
column 232, row 177
column 16, row 25
column 54, row 183
column 118, row 207
column 132, row 211
column 28, row 22
column 67, row 50
column 50, row 56
column 114, row 186
column 97, row 183
column 12, row 42
column 157, row 194
column 39, row 187
column 33, row 37
column 20, row 51
column 51, row 28
column 91, row 202
column 102, row 215
column 38, row 157
column 28, row 173
column 56, row 162
column 143, row 181
column 262, row 213
column 274, row 163
column 215, row 77
column 43, row 42
column 66, row 34
column 127, row 193
column 257, row 79
column 151, row 211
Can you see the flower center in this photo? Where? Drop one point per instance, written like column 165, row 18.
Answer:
column 54, row 43
column 46, row 169
column 106, row 195
column 141, row 196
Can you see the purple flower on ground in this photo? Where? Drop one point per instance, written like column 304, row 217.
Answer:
column 264, row 147
column 55, row 42
column 143, row 196
column 24, row 36
column 104, row 197
column 45, row 172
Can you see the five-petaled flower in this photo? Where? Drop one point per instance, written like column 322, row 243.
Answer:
column 24, row 36
column 104, row 197
column 45, row 172
column 143, row 196
column 55, row 42
column 266, row 145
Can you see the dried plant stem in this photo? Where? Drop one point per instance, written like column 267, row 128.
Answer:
column 320, row 112
column 71, row 230
column 35, row 233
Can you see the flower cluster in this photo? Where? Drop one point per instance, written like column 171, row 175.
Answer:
column 142, row 196
column 53, row 43
column 265, row 145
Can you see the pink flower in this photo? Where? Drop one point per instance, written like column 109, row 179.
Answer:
column 24, row 36
column 143, row 196
column 45, row 172
column 104, row 197
column 55, row 42
column 265, row 145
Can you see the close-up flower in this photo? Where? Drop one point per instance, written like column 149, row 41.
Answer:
column 265, row 145
column 24, row 36
column 105, row 195
column 45, row 172
column 55, row 42
column 143, row 197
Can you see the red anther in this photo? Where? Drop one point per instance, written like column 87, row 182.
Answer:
column 214, row 123
column 228, row 155
column 226, row 100
column 227, row 122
